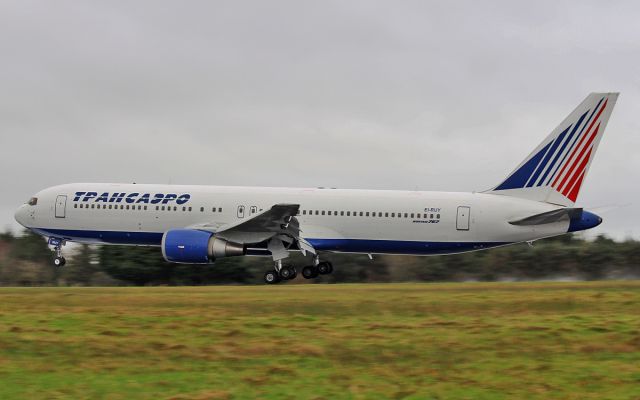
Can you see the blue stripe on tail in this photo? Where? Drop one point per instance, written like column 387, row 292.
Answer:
column 518, row 179
column 544, row 162
column 554, row 164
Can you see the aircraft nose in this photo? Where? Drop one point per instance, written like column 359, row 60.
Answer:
column 20, row 215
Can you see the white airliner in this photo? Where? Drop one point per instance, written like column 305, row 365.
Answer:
column 199, row 224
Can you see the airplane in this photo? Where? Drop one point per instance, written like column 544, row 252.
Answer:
column 201, row 224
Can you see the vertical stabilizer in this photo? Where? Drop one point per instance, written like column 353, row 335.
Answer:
column 555, row 170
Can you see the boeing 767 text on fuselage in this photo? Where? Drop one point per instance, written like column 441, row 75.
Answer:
column 200, row 224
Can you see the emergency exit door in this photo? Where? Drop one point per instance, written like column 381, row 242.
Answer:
column 462, row 221
column 61, row 206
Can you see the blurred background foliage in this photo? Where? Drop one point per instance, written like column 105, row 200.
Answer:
column 25, row 260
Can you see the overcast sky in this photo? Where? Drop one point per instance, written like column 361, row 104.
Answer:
column 350, row 94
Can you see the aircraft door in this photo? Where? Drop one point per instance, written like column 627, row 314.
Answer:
column 61, row 206
column 240, row 211
column 462, row 220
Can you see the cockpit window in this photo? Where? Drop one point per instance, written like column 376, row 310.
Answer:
column 33, row 201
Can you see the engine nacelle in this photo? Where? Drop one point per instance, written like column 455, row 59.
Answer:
column 191, row 246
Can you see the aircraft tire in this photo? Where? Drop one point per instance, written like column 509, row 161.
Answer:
column 271, row 277
column 287, row 272
column 309, row 272
column 59, row 262
column 324, row 268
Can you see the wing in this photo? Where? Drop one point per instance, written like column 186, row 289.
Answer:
column 278, row 220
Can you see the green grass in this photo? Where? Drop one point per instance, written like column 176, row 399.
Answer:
column 414, row 341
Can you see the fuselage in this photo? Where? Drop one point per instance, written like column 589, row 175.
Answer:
column 336, row 220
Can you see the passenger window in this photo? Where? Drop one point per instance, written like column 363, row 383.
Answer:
column 341, row 213
column 109, row 206
column 162, row 208
column 175, row 208
column 438, row 216
column 373, row 214
column 75, row 206
column 145, row 208
column 367, row 213
column 190, row 208
column 328, row 212
column 220, row 209
column 127, row 206
column 316, row 212
column 361, row 213
column 412, row 215
column 393, row 215
column 348, row 213
column 213, row 209
column 322, row 212
column 201, row 209
column 304, row 212
column 406, row 215
column 386, row 215
column 335, row 213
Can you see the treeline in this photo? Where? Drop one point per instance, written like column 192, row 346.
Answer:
column 25, row 260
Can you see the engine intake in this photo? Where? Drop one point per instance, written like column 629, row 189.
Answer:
column 191, row 246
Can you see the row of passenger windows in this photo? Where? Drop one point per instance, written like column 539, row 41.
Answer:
column 371, row 214
column 142, row 208
column 304, row 212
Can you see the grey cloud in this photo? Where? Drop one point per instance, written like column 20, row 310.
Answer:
column 398, row 95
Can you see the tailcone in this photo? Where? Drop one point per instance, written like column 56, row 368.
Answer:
column 583, row 221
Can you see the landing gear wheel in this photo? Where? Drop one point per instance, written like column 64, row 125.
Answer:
column 325, row 268
column 287, row 272
column 309, row 272
column 59, row 262
column 271, row 277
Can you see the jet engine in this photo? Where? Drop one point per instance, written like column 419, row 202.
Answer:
column 191, row 246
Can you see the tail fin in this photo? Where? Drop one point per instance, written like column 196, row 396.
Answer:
column 555, row 170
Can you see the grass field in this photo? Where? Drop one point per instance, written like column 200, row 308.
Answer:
column 414, row 341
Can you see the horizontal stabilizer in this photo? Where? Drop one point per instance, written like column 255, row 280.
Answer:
column 550, row 217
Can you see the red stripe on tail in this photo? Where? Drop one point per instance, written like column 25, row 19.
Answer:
column 572, row 184
column 573, row 195
column 575, row 149
column 571, row 175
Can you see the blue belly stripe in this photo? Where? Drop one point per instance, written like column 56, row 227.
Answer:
column 340, row 245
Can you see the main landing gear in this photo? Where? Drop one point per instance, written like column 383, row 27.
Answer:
column 288, row 272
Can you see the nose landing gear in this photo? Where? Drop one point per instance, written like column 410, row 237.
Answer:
column 59, row 260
